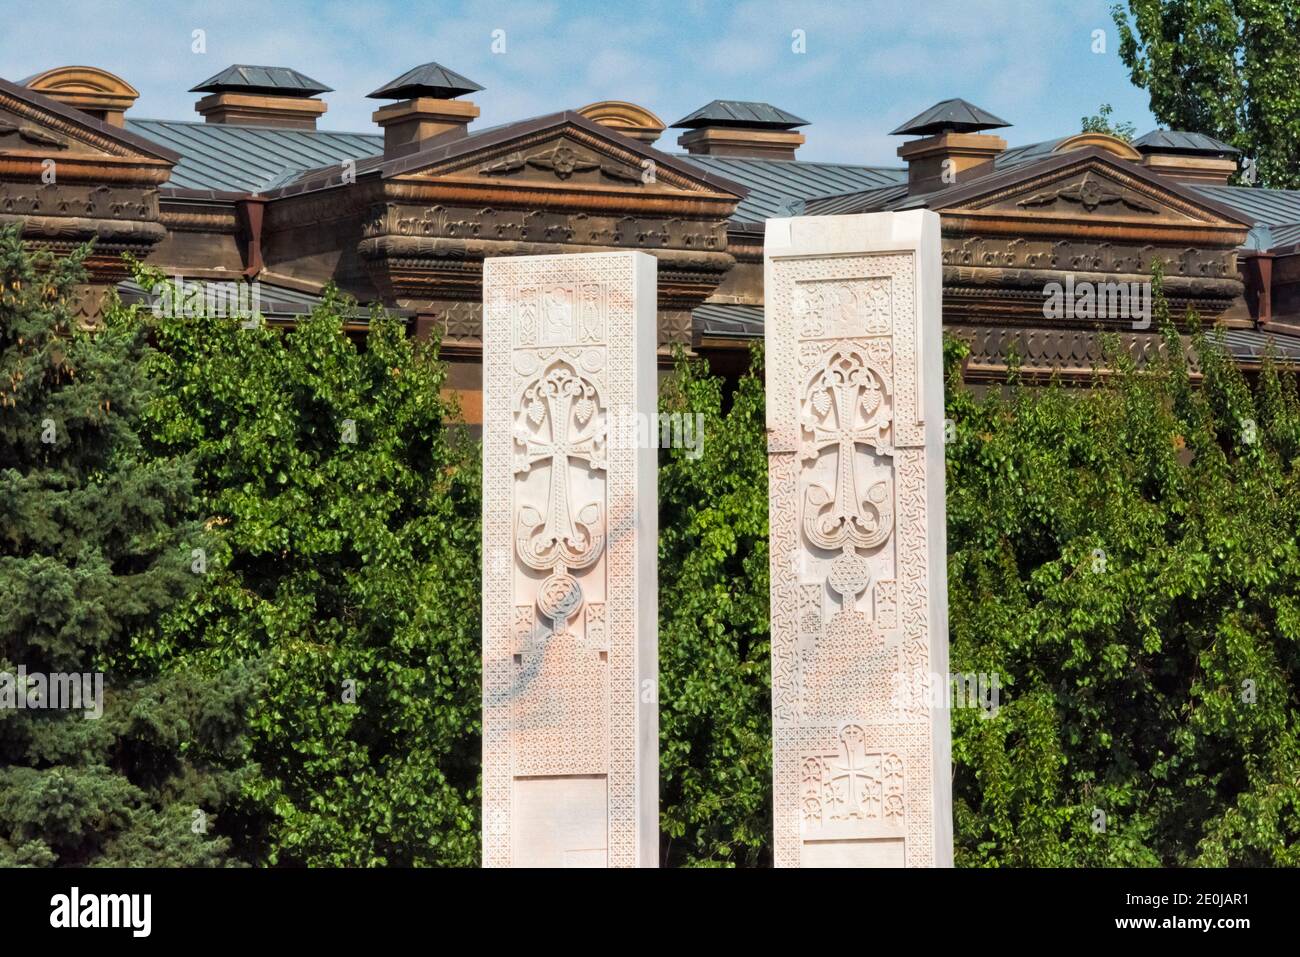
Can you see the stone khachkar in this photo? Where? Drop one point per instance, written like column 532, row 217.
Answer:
column 855, row 422
column 570, row 530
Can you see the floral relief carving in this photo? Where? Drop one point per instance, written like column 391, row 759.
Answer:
column 1089, row 193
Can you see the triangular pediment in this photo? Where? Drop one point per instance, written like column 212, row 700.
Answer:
column 31, row 123
column 567, row 151
column 1087, row 186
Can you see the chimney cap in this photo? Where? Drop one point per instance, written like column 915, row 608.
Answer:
column 267, row 80
column 742, row 113
column 1180, row 141
column 427, row 79
column 950, row 116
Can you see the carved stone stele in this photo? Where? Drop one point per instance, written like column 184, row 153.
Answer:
column 861, row 762
column 570, row 529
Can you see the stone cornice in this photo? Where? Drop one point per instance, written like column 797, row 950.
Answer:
column 84, row 168
column 528, row 194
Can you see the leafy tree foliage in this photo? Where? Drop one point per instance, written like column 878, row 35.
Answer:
column 1128, row 560
column 347, row 568
column 1223, row 67
column 1101, row 122
column 714, row 672
column 1125, row 558
column 96, row 537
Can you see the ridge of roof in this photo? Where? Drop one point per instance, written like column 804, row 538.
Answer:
column 453, row 144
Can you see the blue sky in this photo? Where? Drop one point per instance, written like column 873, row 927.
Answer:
column 867, row 67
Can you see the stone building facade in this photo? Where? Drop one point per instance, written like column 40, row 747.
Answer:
column 405, row 214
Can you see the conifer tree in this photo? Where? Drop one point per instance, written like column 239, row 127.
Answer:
column 96, row 543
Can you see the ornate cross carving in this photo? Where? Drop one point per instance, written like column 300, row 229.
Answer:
column 560, row 540
column 849, row 408
column 853, row 784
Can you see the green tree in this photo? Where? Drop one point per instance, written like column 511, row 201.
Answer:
column 1101, row 122
column 348, row 512
column 97, row 541
column 1127, row 559
column 1226, row 68
column 714, row 669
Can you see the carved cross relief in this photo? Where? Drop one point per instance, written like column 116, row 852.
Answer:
column 569, row 758
column 846, row 426
column 854, row 783
column 847, row 408
column 560, row 426
column 560, row 423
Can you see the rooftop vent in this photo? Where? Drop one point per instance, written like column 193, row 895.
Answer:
column 1187, row 157
column 741, row 128
column 951, row 142
column 101, row 94
column 428, row 107
column 261, row 96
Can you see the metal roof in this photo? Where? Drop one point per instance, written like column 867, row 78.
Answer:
column 275, row 80
column 1180, row 141
column 427, row 79
column 779, row 187
column 861, row 201
column 1287, row 235
column 729, row 320
column 1272, row 207
column 1253, row 344
column 1017, row 155
column 956, row 115
column 740, row 113
column 249, row 158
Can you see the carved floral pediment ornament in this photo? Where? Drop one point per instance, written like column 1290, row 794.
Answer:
column 562, row 160
column 1090, row 193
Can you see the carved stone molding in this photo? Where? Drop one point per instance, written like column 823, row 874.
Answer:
column 1089, row 193
column 1072, row 255
column 1070, row 354
column 419, row 267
